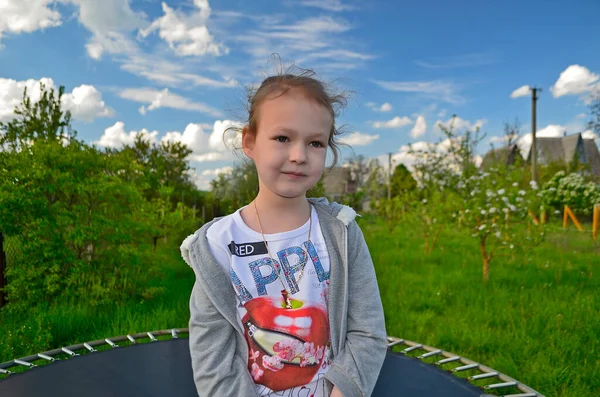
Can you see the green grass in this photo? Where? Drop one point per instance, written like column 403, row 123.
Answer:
column 536, row 319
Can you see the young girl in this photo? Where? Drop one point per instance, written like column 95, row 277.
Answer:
column 285, row 301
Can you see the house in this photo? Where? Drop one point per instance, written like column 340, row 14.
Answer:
column 339, row 181
column 506, row 155
column 566, row 151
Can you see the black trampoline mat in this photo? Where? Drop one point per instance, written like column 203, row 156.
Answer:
column 163, row 368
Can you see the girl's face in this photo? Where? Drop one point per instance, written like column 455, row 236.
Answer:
column 290, row 143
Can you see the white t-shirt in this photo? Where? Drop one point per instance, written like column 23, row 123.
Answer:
column 288, row 348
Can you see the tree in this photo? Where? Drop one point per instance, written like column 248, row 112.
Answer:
column 594, row 123
column 492, row 205
column 512, row 132
column 78, row 213
column 402, row 181
column 37, row 121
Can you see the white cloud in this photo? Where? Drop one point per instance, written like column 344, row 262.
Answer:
column 115, row 136
column 314, row 41
column 110, row 42
column 440, row 90
column 206, row 146
column 419, row 128
column 186, row 34
column 85, row 102
column 523, row 90
column 109, row 21
column 202, row 179
column 396, row 122
column 24, row 16
column 358, row 139
column 157, row 99
column 499, row 139
column 575, row 80
column 459, row 124
column 172, row 74
column 329, row 5
column 196, row 140
column 581, row 116
column 589, row 134
column 442, row 113
column 385, row 107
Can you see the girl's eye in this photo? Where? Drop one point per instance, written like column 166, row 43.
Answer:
column 317, row 144
column 281, row 138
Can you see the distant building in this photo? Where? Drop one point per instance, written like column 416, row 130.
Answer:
column 339, row 181
column 565, row 151
column 506, row 155
column 568, row 150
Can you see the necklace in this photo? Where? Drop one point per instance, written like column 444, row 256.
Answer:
column 284, row 292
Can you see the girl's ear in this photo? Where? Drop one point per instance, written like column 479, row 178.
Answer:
column 247, row 141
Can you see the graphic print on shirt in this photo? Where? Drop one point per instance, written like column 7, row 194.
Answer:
column 287, row 347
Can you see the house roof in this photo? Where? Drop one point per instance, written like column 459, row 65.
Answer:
column 563, row 149
column 570, row 146
column 592, row 155
column 551, row 150
column 504, row 155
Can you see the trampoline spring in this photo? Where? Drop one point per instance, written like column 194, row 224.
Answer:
column 465, row 367
column 500, row 385
column 448, row 360
column 111, row 343
column 409, row 349
column 90, row 348
column 25, row 363
column 45, row 357
column 152, row 338
column 5, row 371
column 131, row 339
column 69, row 352
column 396, row 342
column 483, row 376
column 431, row 353
column 174, row 334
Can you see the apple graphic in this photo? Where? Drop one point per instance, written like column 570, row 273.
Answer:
column 287, row 345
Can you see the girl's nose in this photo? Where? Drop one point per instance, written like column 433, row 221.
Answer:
column 298, row 154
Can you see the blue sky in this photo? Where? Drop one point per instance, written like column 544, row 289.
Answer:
column 177, row 69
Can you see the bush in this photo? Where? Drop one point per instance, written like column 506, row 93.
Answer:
column 571, row 190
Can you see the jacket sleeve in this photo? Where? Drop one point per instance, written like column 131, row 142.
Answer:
column 218, row 367
column 356, row 367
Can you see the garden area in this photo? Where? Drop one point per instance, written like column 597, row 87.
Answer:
column 472, row 261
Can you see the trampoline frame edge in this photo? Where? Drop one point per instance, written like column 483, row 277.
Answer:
column 486, row 372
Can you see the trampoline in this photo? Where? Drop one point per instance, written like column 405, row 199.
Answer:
column 157, row 363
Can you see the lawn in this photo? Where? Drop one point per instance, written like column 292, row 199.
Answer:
column 535, row 320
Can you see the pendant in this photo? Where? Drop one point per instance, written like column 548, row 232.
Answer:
column 286, row 299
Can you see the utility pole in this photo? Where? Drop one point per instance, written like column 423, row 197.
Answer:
column 534, row 98
column 389, row 176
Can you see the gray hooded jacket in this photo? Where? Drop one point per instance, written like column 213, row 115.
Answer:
column 217, row 346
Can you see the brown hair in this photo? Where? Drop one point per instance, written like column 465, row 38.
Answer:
column 314, row 89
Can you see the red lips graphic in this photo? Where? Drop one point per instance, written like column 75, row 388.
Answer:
column 287, row 346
